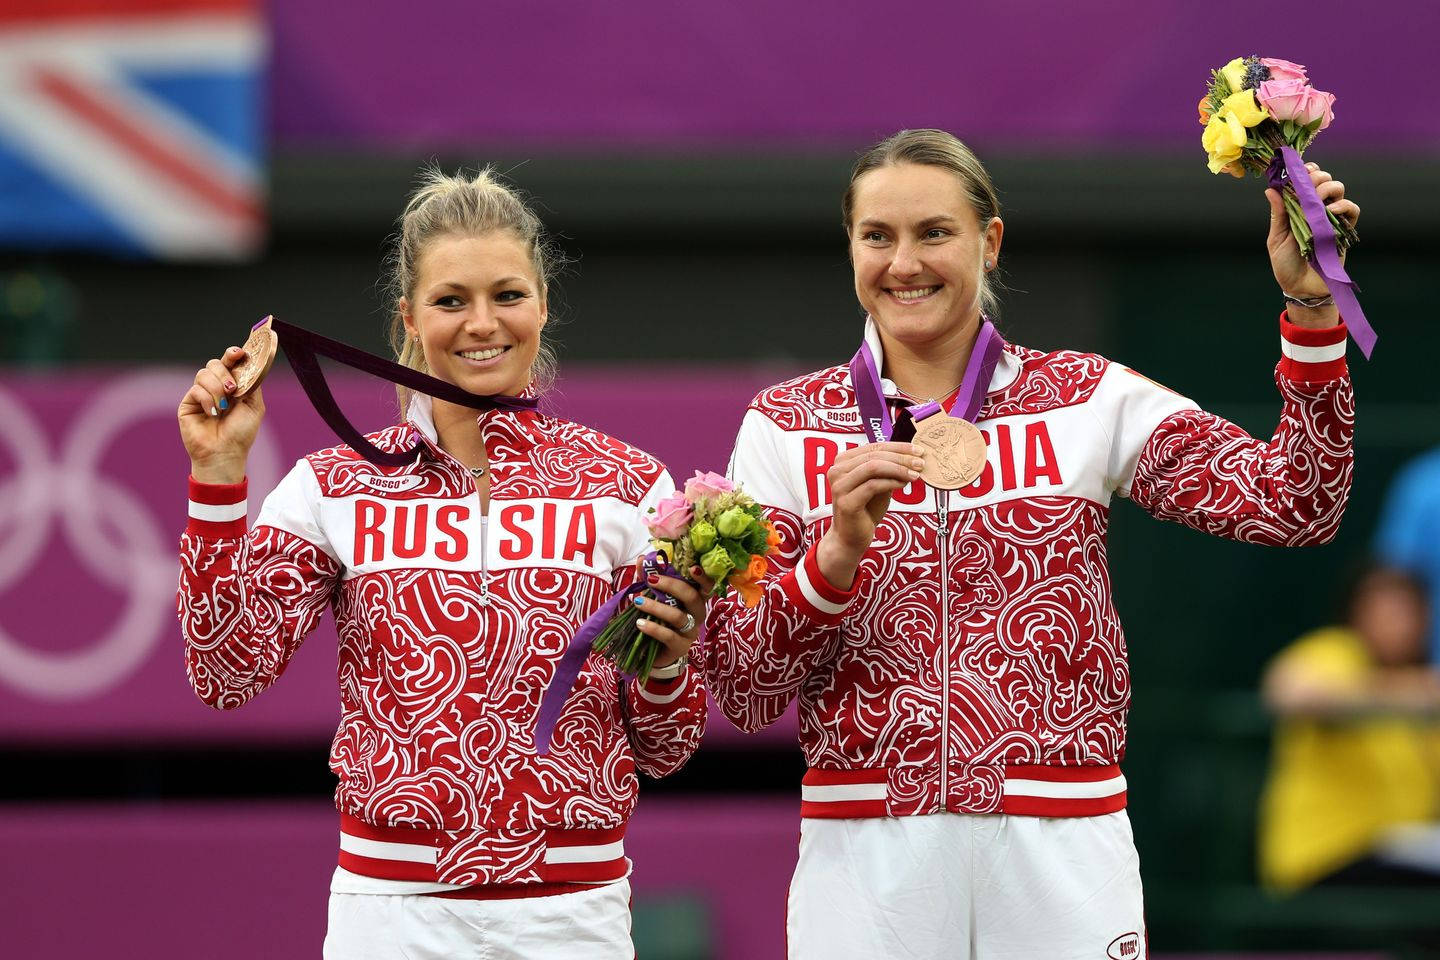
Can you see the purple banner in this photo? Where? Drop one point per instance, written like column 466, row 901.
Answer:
column 521, row 73
column 92, row 504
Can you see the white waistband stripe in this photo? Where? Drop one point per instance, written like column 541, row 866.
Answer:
column 807, row 589
column 385, row 850
column 1064, row 791
column 1312, row 354
column 833, row 792
column 599, row 853
column 217, row 512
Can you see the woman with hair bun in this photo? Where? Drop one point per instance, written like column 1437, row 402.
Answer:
column 943, row 612
column 456, row 581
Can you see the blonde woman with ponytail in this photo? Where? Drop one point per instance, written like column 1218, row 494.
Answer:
column 456, row 582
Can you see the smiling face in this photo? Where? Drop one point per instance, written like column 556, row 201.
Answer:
column 919, row 254
column 477, row 308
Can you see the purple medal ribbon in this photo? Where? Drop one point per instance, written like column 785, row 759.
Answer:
column 1287, row 167
column 552, row 703
column 870, row 396
column 301, row 347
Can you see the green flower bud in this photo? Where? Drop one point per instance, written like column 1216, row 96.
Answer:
column 733, row 522
column 702, row 536
column 716, row 563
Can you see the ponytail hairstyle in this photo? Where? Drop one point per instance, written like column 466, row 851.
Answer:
column 934, row 148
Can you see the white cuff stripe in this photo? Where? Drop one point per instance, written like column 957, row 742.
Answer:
column 1065, row 790
column 670, row 697
column 808, row 591
column 601, row 853
column 835, row 792
column 217, row 512
column 385, row 850
column 1312, row 354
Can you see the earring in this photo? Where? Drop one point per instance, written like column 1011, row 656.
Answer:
column 989, row 264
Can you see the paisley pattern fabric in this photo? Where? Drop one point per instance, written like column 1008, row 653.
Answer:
column 450, row 627
column 980, row 635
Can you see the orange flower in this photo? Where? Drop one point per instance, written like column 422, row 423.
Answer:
column 772, row 536
column 749, row 590
column 757, row 569
column 1205, row 110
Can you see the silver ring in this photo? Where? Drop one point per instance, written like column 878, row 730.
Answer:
column 689, row 623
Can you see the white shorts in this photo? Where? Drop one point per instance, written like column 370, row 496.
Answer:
column 967, row 887
column 589, row 925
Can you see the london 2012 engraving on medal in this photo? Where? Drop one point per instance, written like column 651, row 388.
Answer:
column 954, row 451
column 260, row 351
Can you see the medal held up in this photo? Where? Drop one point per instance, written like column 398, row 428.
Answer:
column 955, row 448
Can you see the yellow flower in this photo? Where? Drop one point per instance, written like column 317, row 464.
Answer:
column 1226, row 134
column 1234, row 73
column 1242, row 107
column 1221, row 142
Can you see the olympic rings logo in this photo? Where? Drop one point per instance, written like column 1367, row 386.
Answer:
column 113, row 535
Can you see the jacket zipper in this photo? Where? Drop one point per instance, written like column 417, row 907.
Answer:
column 942, row 516
column 484, row 545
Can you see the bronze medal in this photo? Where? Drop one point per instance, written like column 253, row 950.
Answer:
column 260, row 351
column 954, row 451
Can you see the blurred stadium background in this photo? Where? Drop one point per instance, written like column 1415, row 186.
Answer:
column 172, row 170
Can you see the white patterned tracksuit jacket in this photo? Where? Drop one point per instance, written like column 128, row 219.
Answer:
column 451, row 622
column 977, row 664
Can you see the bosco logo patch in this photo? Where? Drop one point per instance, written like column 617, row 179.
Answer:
column 1124, row 947
column 389, row 484
column 840, row 418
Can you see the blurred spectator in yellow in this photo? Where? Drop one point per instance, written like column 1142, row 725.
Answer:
column 1353, row 793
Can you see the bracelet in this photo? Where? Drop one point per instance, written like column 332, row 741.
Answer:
column 1325, row 301
column 672, row 671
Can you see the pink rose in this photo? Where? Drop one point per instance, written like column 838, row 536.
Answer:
column 1296, row 100
column 704, row 485
column 671, row 518
column 1319, row 105
column 1284, row 70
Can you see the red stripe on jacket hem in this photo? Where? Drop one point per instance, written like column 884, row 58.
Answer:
column 556, row 839
column 1059, row 774
column 1063, row 807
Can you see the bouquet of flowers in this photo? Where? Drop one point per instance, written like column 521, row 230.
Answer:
column 711, row 524
column 1255, row 107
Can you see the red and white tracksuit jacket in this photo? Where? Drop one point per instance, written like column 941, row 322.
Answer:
column 977, row 664
column 451, row 622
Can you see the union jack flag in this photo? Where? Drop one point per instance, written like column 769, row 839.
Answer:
column 132, row 126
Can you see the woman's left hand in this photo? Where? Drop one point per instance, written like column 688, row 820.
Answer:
column 1293, row 272
column 675, row 627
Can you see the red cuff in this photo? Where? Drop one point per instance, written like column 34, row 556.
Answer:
column 663, row 693
column 1312, row 355
column 217, row 510
column 808, row 589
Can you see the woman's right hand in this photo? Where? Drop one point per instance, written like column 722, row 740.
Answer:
column 216, row 430
column 861, row 484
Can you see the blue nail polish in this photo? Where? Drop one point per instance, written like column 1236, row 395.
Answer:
column 639, row 601
column 224, row 404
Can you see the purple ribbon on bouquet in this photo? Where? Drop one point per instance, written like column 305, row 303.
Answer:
column 302, row 345
column 1287, row 167
column 553, row 701
column 870, row 396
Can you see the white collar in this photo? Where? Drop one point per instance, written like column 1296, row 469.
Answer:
column 1006, row 370
column 421, row 415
